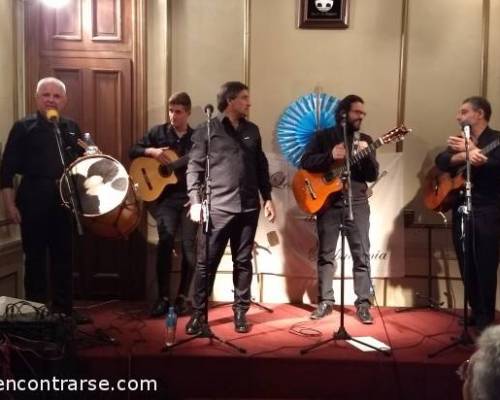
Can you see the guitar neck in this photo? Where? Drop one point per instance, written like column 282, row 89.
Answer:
column 485, row 150
column 358, row 156
column 490, row 147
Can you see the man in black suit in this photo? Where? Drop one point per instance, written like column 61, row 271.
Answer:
column 170, row 209
column 239, row 171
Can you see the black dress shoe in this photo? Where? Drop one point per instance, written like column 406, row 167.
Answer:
column 195, row 324
column 324, row 308
column 159, row 309
column 364, row 315
column 240, row 322
column 182, row 306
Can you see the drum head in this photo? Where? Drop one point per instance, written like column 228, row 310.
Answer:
column 101, row 184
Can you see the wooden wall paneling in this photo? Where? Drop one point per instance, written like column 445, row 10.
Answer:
column 8, row 285
column 68, row 21
column 73, row 79
column 32, row 30
column 113, row 109
column 87, row 25
column 107, row 20
column 108, row 92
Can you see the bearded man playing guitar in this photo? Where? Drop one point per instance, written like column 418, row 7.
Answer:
column 325, row 149
column 169, row 145
column 484, row 235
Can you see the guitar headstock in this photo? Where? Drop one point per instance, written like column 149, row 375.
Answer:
column 395, row 135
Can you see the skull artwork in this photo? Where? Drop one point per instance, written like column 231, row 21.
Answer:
column 324, row 5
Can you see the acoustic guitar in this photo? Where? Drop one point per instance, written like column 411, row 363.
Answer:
column 312, row 189
column 440, row 189
column 151, row 177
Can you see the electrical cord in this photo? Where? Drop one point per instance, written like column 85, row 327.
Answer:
column 300, row 329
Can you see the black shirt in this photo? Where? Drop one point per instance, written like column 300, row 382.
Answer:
column 31, row 149
column 238, row 167
column 318, row 158
column 165, row 136
column 485, row 178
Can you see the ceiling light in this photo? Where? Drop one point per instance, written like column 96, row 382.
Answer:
column 55, row 3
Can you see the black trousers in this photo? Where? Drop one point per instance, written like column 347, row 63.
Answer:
column 170, row 216
column 239, row 229
column 482, row 260
column 328, row 224
column 46, row 233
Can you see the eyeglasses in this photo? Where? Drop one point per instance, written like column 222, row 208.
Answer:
column 463, row 370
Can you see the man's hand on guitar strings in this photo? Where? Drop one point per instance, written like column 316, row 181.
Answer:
column 158, row 154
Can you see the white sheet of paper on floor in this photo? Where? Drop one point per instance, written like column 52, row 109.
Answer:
column 368, row 340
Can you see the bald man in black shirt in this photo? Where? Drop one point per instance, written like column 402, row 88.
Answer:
column 484, row 235
column 31, row 152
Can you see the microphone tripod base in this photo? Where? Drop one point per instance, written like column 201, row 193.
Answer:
column 464, row 339
column 342, row 334
column 205, row 333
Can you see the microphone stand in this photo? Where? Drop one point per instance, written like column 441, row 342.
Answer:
column 206, row 332
column 465, row 212
column 342, row 333
column 253, row 302
column 67, row 179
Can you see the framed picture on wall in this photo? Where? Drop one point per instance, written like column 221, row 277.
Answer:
column 323, row 14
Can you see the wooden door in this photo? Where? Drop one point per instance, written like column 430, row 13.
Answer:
column 90, row 45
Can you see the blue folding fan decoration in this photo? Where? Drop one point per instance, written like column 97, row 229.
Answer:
column 299, row 121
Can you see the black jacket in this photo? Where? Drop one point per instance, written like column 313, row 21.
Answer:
column 238, row 167
column 164, row 136
column 318, row 158
column 486, row 178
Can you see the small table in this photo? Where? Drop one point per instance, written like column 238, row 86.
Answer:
column 431, row 302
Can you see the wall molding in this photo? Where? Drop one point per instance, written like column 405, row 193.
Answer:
column 403, row 63
column 139, row 70
column 485, row 42
column 11, row 266
column 246, row 41
column 168, row 54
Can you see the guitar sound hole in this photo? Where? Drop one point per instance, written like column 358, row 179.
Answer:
column 328, row 177
column 165, row 170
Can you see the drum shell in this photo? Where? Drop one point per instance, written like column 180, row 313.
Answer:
column 118, row 223
column 122, row 214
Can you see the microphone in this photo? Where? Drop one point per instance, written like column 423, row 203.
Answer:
column 209, row 109
column 466, row 130
column 88, row 139
column 90, row 146
column 355, row 142
column 52, row 115
column 343, row 117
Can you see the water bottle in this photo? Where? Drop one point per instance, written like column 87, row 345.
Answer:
column 170, row 325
